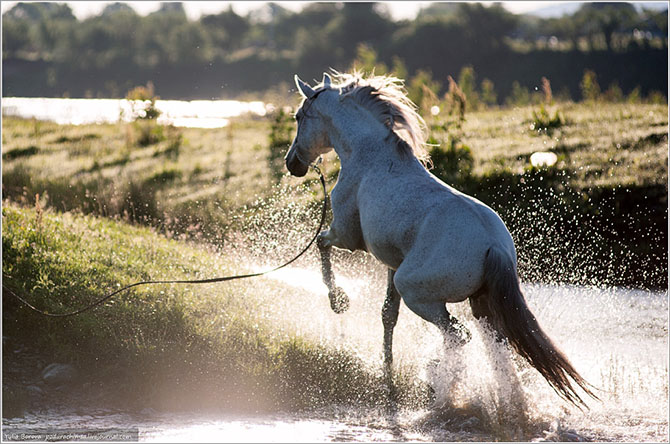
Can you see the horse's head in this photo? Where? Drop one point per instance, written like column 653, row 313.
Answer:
column 312, row 138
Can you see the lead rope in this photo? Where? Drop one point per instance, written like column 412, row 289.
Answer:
column 324, row 209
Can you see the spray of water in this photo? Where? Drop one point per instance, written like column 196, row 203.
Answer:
column 617, row 339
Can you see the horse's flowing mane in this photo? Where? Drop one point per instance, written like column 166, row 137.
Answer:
column 385, row 98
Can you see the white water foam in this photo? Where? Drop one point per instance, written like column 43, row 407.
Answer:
column 617, row 339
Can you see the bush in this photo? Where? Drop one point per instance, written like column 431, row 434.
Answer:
column 422, row 88
column 145, row 133
column 488, row 96
column 366, row 61
column 589, row 86
column 280, row 138
column 467, row 83
column 456, row 100
column 143, row 102
column 545, row 123
column 657, row 98
column 614, row 93
column 452, row 160
column 519, row 96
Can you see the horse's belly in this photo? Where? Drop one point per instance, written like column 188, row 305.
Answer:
column 388, row 254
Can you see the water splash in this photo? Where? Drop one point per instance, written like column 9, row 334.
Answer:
column 616, row 338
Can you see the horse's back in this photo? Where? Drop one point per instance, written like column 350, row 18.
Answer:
column 436, row 236
column 410, row 209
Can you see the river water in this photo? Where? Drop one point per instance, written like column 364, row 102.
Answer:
column 616, row 338
column 193, row 114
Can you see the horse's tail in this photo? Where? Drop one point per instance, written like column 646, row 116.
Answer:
column 513, row 319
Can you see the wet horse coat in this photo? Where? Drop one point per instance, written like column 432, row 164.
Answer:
column 439, row 244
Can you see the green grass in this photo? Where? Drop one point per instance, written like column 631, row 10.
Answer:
column 95, row 167
column 166, row 346
column 598, row 216
column 208, row 185
column 192, row 177
column 595, row 142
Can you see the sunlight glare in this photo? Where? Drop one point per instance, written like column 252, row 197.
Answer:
column 311, row 280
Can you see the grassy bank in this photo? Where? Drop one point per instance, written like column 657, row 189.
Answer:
column 601, row 210
column 596, row 217
column 161, row 346
column 92, row 206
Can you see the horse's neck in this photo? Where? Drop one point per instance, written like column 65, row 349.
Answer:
column 362, row 143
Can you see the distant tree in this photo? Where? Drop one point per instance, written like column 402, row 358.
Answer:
column 312, row 19
column 37, row 28
column 158, row 35
column 116, row 8
column 316, row 15
column 132, row 49
column 654, row 21
column 420, row 41
column 14, row 37
column 171, row 8
column 105, row 41
column 486, row 26
column 359, row 23
column 187, row 43
column 226, row 29
column 605, row 18
column 438, row 9
column 564, row 28
column 315, row 53
column 38, row 11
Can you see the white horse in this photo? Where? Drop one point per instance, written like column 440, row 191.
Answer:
column 439, row 245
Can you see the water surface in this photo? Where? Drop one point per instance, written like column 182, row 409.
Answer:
column 193, row 114
column 616, row 338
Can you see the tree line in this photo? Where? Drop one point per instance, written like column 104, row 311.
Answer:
column 48, row 51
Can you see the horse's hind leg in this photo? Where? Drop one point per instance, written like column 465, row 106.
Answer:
column 389, row 319
column 480, row 310
column 430, row 309
column 339, row 301
column 450, row 327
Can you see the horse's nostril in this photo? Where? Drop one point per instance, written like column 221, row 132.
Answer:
column 295, row 166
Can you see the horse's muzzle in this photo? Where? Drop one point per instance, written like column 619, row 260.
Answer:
column 294, row 165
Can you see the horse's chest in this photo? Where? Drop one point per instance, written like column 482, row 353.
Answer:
column 346, row 219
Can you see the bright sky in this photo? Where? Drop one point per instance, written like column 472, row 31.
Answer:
column 194, row 9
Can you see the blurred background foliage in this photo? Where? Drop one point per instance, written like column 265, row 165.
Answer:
column 48, row 52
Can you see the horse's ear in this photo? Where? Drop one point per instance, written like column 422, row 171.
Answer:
column 326, row 80
column 305, row 90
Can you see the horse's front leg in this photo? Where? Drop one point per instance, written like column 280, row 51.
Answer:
column 339, row 301
column 389, row 319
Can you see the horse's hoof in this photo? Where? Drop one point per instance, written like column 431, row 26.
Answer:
column 459, row 334
column 339, row 301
